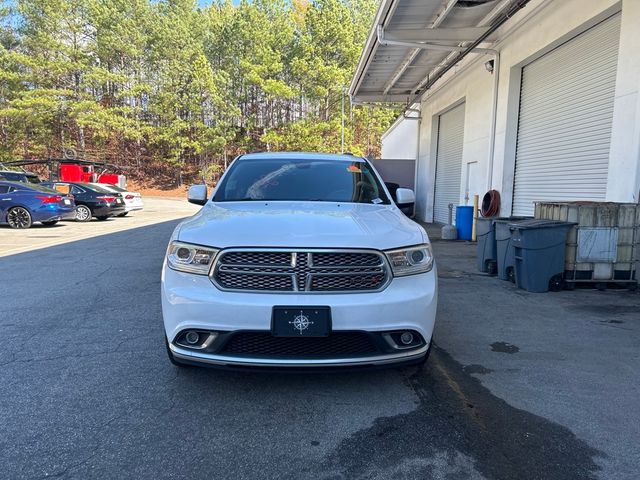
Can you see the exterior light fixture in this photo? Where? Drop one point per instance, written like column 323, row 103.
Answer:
column 489, row 65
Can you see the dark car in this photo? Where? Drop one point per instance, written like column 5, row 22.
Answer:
column 23, row 204
column 16, row 176
column 91, row 200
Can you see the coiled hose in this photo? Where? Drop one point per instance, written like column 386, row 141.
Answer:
column 490, row 204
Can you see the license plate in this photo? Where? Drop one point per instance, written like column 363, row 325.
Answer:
column 301, row 321
column 67, row 201
column 118, row 200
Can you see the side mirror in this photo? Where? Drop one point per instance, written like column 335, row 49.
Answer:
column 405, row 196
column 406, row 199
column 197, row 194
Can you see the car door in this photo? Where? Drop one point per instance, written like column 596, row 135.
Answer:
column 5, row 201
column 81, row 196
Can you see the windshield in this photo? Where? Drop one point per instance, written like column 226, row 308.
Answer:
column 20, row 177
column 96, row 187
column 301, row 180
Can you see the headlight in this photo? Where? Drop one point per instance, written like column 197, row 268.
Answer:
column 410, row 260
column 186, row 257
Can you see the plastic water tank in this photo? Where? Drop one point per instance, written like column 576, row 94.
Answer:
column 464, row 222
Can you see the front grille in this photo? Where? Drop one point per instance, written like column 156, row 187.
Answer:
column 338, row 344
column 300, row 271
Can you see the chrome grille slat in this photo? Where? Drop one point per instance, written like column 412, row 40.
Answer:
column 308, row 271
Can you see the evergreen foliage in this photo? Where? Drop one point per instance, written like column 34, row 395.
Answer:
column 165, row 84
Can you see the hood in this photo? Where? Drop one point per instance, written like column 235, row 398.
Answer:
column 300, row 225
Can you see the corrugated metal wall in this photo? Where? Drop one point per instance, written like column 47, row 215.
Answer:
column 448, row 163
column 566, row 111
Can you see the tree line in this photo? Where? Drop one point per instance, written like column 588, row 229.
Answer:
column 168, row 85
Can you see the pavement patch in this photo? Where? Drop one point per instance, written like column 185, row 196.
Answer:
column 456, row 419
column 504, row 347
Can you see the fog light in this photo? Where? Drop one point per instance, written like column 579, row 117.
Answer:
column 192, row 337
column 406, row 338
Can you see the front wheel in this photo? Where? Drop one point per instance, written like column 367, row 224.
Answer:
column 50, row 224
column 19, row 217
column 83, row 213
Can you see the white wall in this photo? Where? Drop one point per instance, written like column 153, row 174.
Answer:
column 401, row 140
column 475, row 89
column 623, row 183
column 535, row 30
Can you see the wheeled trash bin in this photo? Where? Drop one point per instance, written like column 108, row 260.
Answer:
column 538, row 247
column 505, row 261
column 486, row 246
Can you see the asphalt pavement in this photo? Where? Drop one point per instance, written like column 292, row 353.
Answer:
column 519, row 385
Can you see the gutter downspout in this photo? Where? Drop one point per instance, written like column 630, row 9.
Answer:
column 494, row 118
column 416, row 170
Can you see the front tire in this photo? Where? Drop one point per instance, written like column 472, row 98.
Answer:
column 19, row 217
column 83, row 213
column 50, row 224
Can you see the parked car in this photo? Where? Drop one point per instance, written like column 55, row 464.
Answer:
column 299, row 260
column 19, row 176
column 132, row 200
column 91, row 200
column 22, row 204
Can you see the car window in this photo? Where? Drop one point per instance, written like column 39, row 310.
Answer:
column 301, row 179
column 4, row 188
column 76, row 190
column 11, row 176
column 32, row 179
column 33, row 187
column 62, row 188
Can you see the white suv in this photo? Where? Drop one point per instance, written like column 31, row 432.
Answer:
column 299, row 260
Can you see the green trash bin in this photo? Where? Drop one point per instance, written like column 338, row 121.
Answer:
column 539, row 247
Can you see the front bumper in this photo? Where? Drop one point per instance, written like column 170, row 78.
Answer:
column 193, row 302
column 196, row 358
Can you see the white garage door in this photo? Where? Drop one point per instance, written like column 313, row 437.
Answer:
column 448, row 163
column 564, row 129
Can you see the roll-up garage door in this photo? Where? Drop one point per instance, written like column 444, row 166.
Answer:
column 448, row 162
column 564, row 129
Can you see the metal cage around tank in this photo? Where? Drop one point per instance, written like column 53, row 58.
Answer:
column 604, row 246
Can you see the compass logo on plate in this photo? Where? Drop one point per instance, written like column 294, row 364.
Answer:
column 301, row 322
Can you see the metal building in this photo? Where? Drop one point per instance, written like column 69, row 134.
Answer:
column 538, row 99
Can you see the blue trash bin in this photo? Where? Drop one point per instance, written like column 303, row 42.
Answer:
column 464, row 222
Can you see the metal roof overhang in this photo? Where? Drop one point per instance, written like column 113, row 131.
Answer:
column 414, row 42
